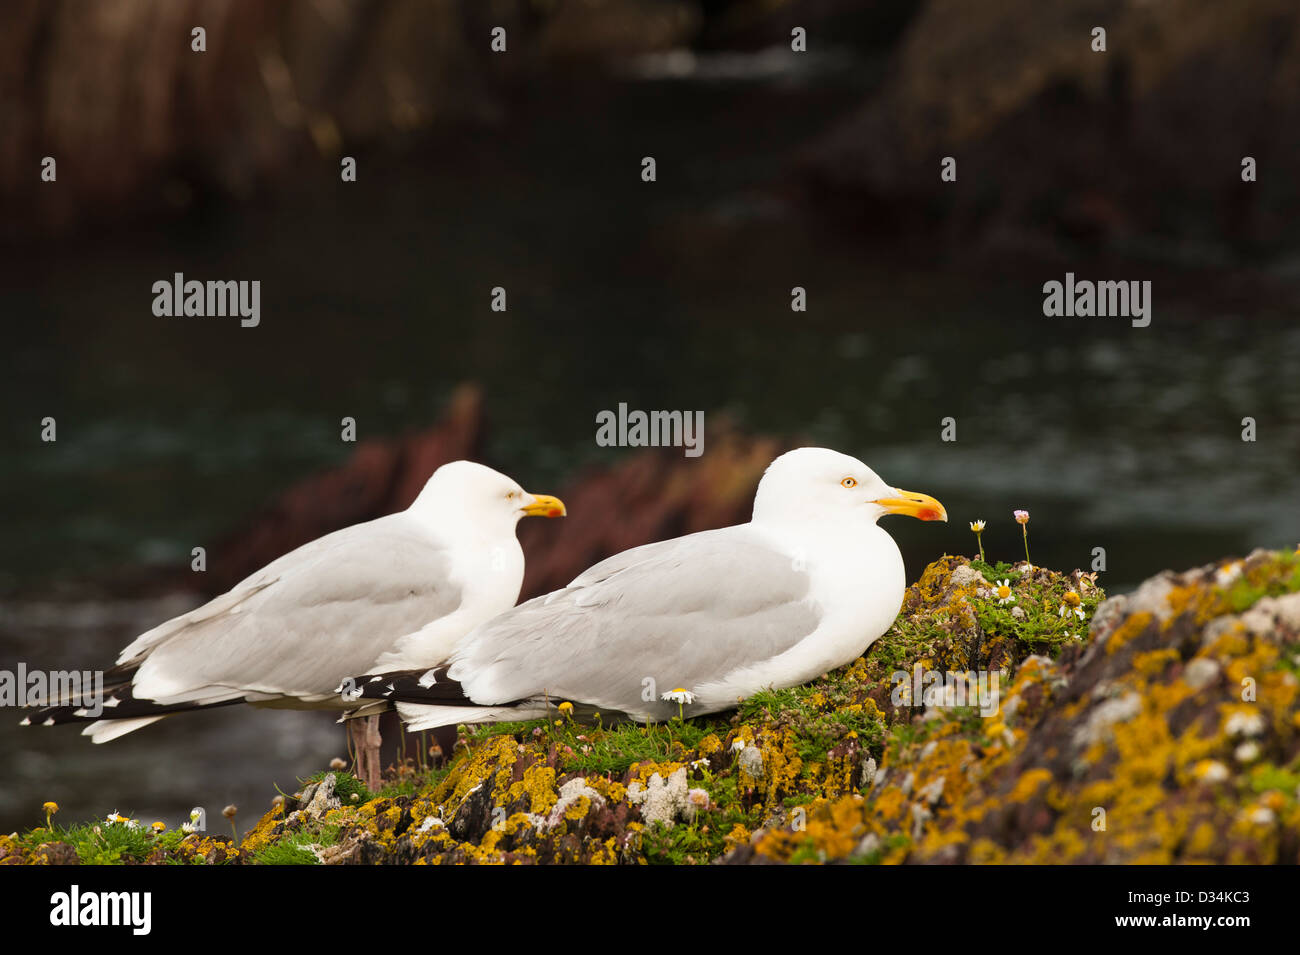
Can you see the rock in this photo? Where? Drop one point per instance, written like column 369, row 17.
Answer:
column 1244, row 724
column 1200, row 673
column 661, row 801
column 868, row 771
column 1152, row 597
column 967, row 576
column 920, row 816
column 1108, row 616
column 1148, row 722
column 869, row 845
column 906, row 787
column 576, row 789
column 751, row 763
column 932, row 792
column 349, row 852
column 277, row 87
column 58, row 853
column 989, row 85
column 322, row 798
column 1103, row 716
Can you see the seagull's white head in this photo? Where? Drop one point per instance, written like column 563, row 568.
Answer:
column 817, row 484
column 485, row 496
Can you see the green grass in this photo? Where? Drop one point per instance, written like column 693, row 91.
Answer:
column 97, row 843
column 294, row 849
column 345, row 786
column 609, row 749
column 995, row 572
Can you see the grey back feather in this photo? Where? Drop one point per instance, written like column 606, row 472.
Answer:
column 680, row 612
column 323, row 611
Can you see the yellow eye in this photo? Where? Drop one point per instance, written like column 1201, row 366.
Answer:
column 849, row 482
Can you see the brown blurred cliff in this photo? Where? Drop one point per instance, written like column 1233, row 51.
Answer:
column 1013, row 90
column 1136, row 150
column 136, row 119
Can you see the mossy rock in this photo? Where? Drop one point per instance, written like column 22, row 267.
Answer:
column 1158, row 727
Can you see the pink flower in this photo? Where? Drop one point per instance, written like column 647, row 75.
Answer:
column 1022, row 517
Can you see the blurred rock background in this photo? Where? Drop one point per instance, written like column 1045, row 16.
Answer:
column 1183, row 91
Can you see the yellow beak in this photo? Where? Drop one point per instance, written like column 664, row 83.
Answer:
column 913, row 504
column 543, row 505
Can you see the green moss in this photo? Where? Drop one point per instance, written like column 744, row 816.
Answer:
column 412, row 784
column 995, row 572
column 982, row 783
column 583, row 748
column 296, row 847
column 1042, row 627
column 1273, row 579
column 345, row 786
column 1268, row 777
column 891, row 844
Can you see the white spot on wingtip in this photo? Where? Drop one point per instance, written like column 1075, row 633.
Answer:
column 27, row 721
column 49, row 721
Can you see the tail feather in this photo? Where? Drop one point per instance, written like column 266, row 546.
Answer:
column 428, row 698
column 102, row 731
column 423, row 685
column 421, row 717
column 117, row 713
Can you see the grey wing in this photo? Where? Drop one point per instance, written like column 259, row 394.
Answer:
column 297, row 627
column 683, row 613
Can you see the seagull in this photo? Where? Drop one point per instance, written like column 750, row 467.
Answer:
column 706, row 619
column 285, row 636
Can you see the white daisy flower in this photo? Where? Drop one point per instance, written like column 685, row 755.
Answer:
column 1070, row 604
column 1003, row 592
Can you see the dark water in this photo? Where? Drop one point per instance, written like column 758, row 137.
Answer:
column 672, row 295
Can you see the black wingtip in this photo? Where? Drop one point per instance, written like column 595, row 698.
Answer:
column 423, row 685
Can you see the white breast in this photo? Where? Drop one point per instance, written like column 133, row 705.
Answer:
column 857, row 581
column 489, row 573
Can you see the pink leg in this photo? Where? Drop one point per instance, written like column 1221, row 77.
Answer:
column 366, row 741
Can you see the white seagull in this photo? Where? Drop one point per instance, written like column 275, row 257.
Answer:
column 288, row 634
column 705, row 620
